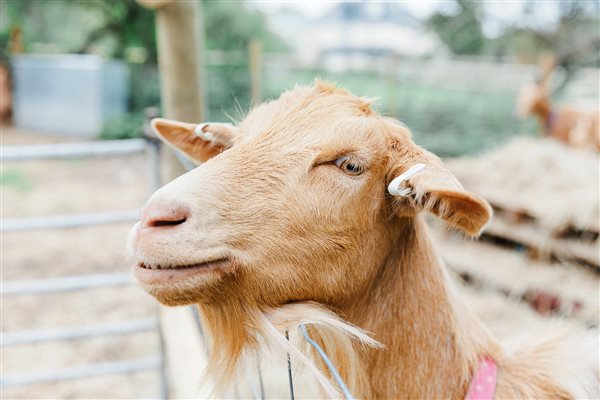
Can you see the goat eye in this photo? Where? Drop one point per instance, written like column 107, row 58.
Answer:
column 349, row 167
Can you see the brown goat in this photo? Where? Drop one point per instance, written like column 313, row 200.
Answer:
column 6, row 103
column 574, row 126
column 288, row 221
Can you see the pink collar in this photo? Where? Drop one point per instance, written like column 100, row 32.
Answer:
column 550, row 120
column 483, row 384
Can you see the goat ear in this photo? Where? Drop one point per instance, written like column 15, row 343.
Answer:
column 433, row 188
column 198, row 142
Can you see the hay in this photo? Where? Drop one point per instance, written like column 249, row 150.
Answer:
column 556, row 185
column 504, row 316
column 545, row 244
column 514, row 274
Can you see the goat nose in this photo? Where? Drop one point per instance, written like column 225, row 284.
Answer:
column 156, row 215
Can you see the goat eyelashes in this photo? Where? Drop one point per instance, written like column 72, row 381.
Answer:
column 345, row 164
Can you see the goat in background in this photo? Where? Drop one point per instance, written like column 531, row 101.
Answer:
column 575, row 126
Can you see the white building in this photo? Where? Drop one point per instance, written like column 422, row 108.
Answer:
column 356, row 36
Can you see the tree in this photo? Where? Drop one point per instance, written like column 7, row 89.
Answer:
column 81, row 26
column 574, row 39
column 127, row 22
column 461, row 32
column 230, row 25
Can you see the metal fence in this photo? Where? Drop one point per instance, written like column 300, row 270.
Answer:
column 149, row 147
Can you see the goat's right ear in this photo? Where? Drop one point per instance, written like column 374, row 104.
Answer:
column 198, row 142
column 420, row 182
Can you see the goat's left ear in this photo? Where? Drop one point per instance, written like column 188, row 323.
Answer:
column 425, row 184
column 198, row 142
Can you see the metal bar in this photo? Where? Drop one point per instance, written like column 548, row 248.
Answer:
column 63, row 284
column 327, row 361
column 35, row 336
column 289, row 368
column 164, row 382
column 72, row 150
column 187, row 164
column 154, row 163
column 82, row 371
column 67, row 221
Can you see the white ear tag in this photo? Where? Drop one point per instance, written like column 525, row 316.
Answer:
column 204, row 135
column 396, row 186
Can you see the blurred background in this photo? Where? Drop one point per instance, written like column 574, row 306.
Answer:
column 482, row 84
column 448, row 69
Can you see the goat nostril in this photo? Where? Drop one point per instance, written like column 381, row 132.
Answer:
column 157, row 215
column 159, row 223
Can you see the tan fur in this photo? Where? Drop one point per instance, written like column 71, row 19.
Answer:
column 305, row 242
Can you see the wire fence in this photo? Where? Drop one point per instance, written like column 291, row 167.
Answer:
column 65, row 284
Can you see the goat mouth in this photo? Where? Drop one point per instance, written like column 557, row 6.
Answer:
column 161, row 273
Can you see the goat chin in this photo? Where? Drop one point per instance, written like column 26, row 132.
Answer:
column 342, row 342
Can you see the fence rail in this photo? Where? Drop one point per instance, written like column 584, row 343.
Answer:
column 73, row 150
column 65, row 284
column 35, row 336
column 67, row 221
column 70, row 283
column 82, row 371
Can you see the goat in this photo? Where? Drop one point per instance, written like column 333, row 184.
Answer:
column 574, row 126
column 6, row 104
column 287, row 221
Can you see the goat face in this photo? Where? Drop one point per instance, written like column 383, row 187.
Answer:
column 290, row 205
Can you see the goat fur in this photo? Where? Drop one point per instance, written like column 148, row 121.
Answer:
column 305, row 244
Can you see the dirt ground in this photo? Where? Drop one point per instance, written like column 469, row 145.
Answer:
column 64, row 187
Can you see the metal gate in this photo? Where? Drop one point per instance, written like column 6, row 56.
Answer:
column 147, row 146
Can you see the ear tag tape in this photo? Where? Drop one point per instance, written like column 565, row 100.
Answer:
column 204, row 135
column 396, row 186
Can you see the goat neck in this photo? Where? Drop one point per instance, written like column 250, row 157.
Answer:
column 413, row 310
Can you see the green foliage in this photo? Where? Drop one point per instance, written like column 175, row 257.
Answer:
column 77, row 26
column 12, row 14
column 574, row 39
column 453, row 122
column 125, row 21
column 124, row 127
column 449, row 121
column 230, row 25
column 80, row 26
column 228, row 91
column 115, row 26
column 145, row 87
column 461, row 32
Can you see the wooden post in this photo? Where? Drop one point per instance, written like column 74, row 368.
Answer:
column 15, row 41
column 255, row 51
column 179, row 41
